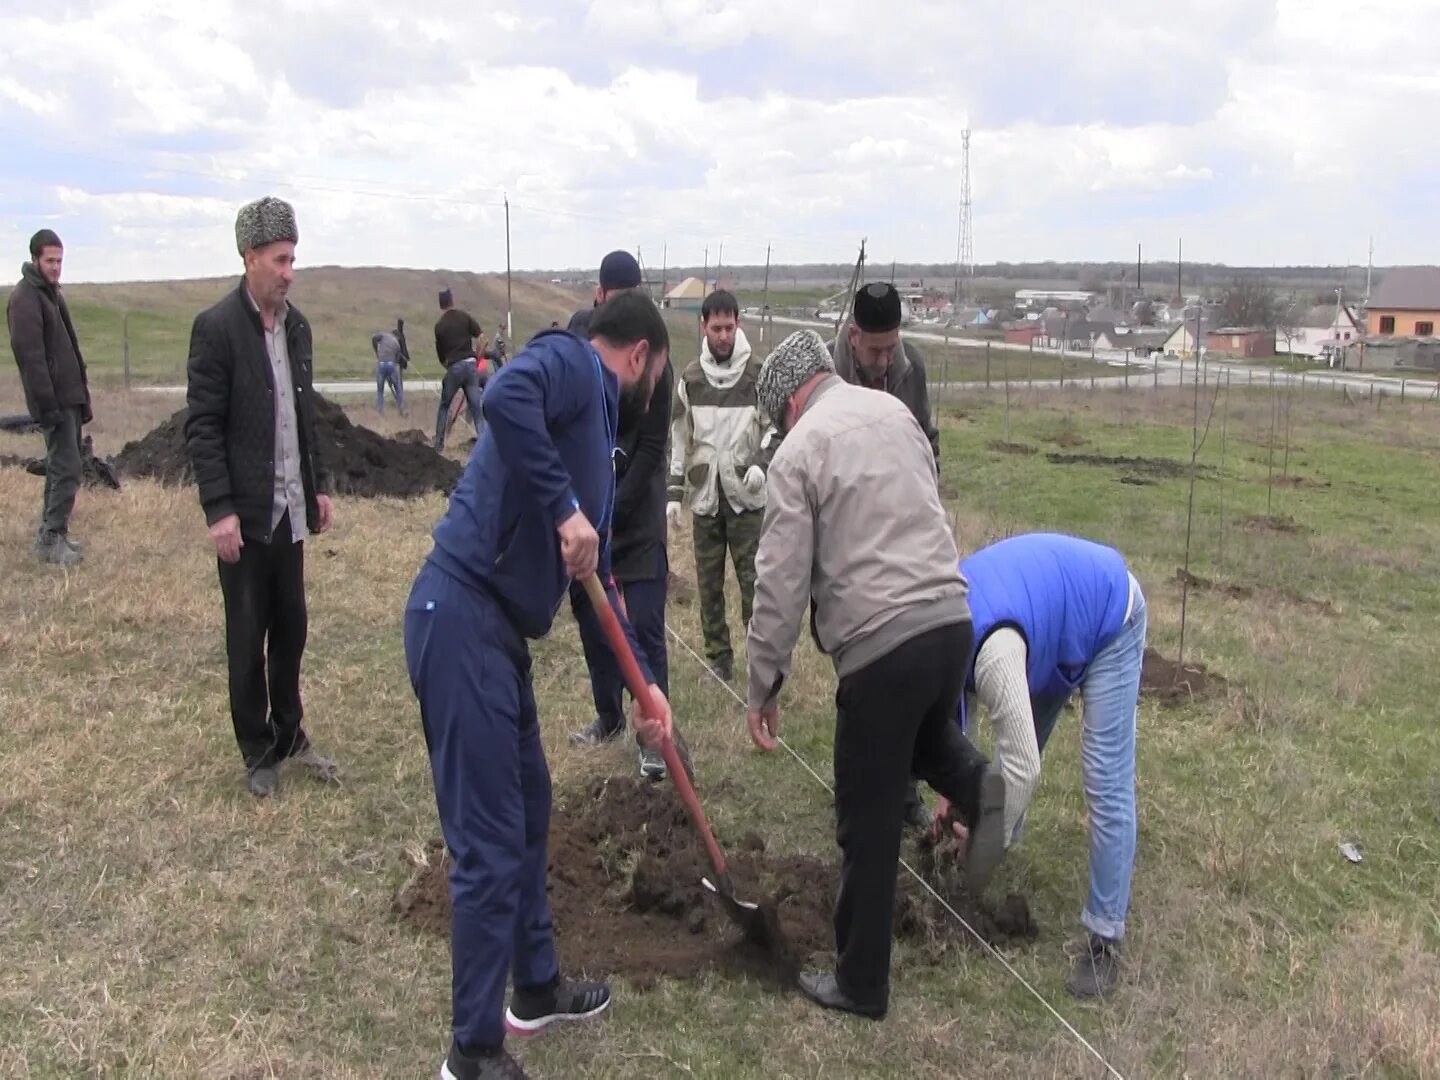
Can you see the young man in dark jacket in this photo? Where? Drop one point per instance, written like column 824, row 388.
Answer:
column 57, row 389
column 252, row 441
column 517, row 532
column 641, row 568
column 455, row 334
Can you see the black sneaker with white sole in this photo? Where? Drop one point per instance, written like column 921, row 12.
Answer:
column 494, row 1064
column 598, row 733
column 652, row 764
column 532, row 1011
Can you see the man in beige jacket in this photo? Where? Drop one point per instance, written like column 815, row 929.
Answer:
column 854, row 527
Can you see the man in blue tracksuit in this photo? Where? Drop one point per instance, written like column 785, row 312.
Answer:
column 517, row 531
column 1055, row 614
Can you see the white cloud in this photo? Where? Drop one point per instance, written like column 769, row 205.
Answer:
column 687, row 122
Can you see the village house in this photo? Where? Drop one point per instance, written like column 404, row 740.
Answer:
column 1406, row 303
column 1321, row 333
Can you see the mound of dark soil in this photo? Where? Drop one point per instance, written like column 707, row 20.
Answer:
column 1273, row 523
column 361, row 462
column 625, row 894
column 1165, row 681
column 1249, row 592
column 1158, row 468
column 1000, row 446
column 94, row 472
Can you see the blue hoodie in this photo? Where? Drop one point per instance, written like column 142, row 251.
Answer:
column 546, row 452
column 1066, row 596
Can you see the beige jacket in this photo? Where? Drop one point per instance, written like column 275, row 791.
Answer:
column 717, row 433
column 854, row 525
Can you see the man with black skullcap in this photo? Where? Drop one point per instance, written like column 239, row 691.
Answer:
column 618, row 271
column 455, row 334
column 639, row 561
column 870, row 352
column 252, row 440
column 855, row 530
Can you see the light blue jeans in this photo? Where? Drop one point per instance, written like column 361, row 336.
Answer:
column 1111, row 692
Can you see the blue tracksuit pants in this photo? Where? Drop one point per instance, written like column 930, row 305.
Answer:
column 471, row 673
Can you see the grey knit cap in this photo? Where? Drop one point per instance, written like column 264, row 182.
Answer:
column 265, row 221
column 787, row 368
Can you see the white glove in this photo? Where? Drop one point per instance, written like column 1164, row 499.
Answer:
column 673, row 514
column 754, row 480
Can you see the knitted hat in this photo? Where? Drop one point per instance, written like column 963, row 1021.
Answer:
column 619, row 270
column 877, row 308
column 265, row 221
column 793, row 362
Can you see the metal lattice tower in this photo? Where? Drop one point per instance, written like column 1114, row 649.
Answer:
column 965, row 242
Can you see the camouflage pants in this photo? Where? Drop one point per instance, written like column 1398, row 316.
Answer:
column 739, row 533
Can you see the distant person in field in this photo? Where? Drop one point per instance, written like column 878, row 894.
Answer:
column 391, row 360
column 869, row 352
column 855, row 533
column 456, row 332
column 57, row 389
column 639, row 560
column 619, row 271
column 251, row 435
column 530, row 515
column 1056, row 614
column 718, row 455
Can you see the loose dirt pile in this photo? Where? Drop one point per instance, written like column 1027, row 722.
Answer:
column 94, row 472
column 1250, row 592
column 1138, row 469
column 1273, row 523
column 625, row 894
column 1165, row 681
column 1000, row 446
column 361, row 462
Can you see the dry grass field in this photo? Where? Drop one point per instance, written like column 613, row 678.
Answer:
column 158, row 921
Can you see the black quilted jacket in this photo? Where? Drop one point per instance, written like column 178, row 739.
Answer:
column 230, row 429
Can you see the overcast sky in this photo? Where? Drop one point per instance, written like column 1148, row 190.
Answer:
column 1261, row 132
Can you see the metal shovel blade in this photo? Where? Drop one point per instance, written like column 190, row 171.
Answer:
column 729, row 898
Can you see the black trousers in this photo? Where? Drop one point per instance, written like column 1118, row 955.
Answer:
column 894, row 717
column 645, row 608
column 265, row 628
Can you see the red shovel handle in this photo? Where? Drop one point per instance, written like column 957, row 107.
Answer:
column 640, row 689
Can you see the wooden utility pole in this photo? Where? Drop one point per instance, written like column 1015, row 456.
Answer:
column 509, row 307
column 765, row 296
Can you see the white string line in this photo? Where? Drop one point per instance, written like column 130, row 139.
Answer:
column 914, row 874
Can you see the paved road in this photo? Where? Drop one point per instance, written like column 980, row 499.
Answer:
column 1143, row 374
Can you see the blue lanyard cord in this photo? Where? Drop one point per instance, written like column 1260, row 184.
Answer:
column 603, row 525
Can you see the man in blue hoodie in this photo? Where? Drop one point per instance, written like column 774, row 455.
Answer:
column 518, row 530
column 1055, row 614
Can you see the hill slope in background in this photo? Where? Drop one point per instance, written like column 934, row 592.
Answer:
column 345, row 305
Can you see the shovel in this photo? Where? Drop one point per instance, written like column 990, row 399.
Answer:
column 749, row 917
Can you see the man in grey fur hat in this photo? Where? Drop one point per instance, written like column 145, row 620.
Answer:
column 855, row 530
column 252, row 439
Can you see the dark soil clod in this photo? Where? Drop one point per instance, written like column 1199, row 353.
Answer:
column 1000, row 446
column 1250, row 592
column 626, row 897
column 1165, row 681
column 1273, row 523
column 1157, row 468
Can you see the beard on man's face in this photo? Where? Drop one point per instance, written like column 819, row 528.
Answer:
column 634, row 403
